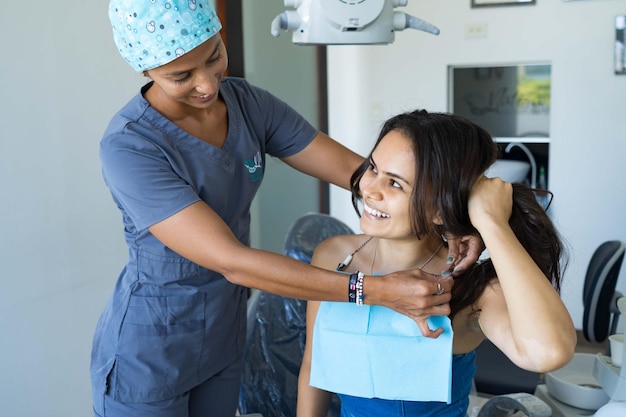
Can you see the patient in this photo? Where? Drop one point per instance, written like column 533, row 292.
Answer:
column 421, row 186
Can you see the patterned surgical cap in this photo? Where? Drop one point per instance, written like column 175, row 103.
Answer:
column 151, row 33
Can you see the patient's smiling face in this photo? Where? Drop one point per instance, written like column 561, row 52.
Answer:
column 386, row 188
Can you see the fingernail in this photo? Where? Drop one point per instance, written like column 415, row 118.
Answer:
column 450, row 259
column 445, row 274
column 458, row 270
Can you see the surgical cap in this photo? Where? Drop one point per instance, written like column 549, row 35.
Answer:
column 151, row 33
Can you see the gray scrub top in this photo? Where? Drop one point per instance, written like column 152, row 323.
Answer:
column 170, row 323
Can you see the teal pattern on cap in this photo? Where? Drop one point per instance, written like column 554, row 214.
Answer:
column 151, row 33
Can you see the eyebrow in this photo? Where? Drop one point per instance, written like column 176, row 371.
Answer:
column 181, row 72
column 391, row 174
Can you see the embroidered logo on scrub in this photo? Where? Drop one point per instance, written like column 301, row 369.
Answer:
column 254, row 166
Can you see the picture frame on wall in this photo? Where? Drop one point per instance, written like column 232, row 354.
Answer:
column 620, row 45
column 494, row 3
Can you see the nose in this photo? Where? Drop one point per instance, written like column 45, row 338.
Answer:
column 205, row 82
column 371, row 188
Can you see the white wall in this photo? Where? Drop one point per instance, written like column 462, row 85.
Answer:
column 588, row 127
column 61, row 244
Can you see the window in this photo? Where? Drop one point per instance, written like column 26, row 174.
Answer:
column 510, row 101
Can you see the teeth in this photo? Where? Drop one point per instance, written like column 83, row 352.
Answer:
column 375, row 212
column 204, row 96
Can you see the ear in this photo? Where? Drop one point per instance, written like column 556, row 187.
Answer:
column 437, row 219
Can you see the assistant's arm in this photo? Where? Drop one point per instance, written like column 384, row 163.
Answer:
column 521, row 313
column 199, row 234
column 326, row 159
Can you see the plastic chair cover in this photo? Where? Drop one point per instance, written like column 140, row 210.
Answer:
column 277, row 328
column 599, row 295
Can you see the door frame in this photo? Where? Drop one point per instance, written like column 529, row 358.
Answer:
column 231, row 16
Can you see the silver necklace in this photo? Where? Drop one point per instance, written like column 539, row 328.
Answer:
column 346, row 262
column 430, row 258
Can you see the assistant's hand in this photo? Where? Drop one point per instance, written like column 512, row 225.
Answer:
column 415, row 294
column 463, row 252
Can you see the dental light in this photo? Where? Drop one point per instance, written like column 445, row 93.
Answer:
column 346, row 22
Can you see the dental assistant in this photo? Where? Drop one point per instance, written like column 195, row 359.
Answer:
column 183, row 160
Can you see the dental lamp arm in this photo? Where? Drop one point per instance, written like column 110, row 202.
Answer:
column 403, row 20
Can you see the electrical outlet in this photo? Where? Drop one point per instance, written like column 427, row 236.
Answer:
column 476, row 30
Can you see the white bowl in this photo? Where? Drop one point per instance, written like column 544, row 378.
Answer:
column 575, row 385
column 508, row 170
column 616, row 342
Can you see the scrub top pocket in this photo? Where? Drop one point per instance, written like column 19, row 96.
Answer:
column 160, row 347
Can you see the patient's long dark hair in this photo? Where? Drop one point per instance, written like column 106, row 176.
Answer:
column 451, row 153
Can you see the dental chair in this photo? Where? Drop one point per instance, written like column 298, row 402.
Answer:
column 496, row 374
column 277, row 329
column 601, row 314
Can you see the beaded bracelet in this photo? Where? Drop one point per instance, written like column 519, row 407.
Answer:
column 355, row 288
